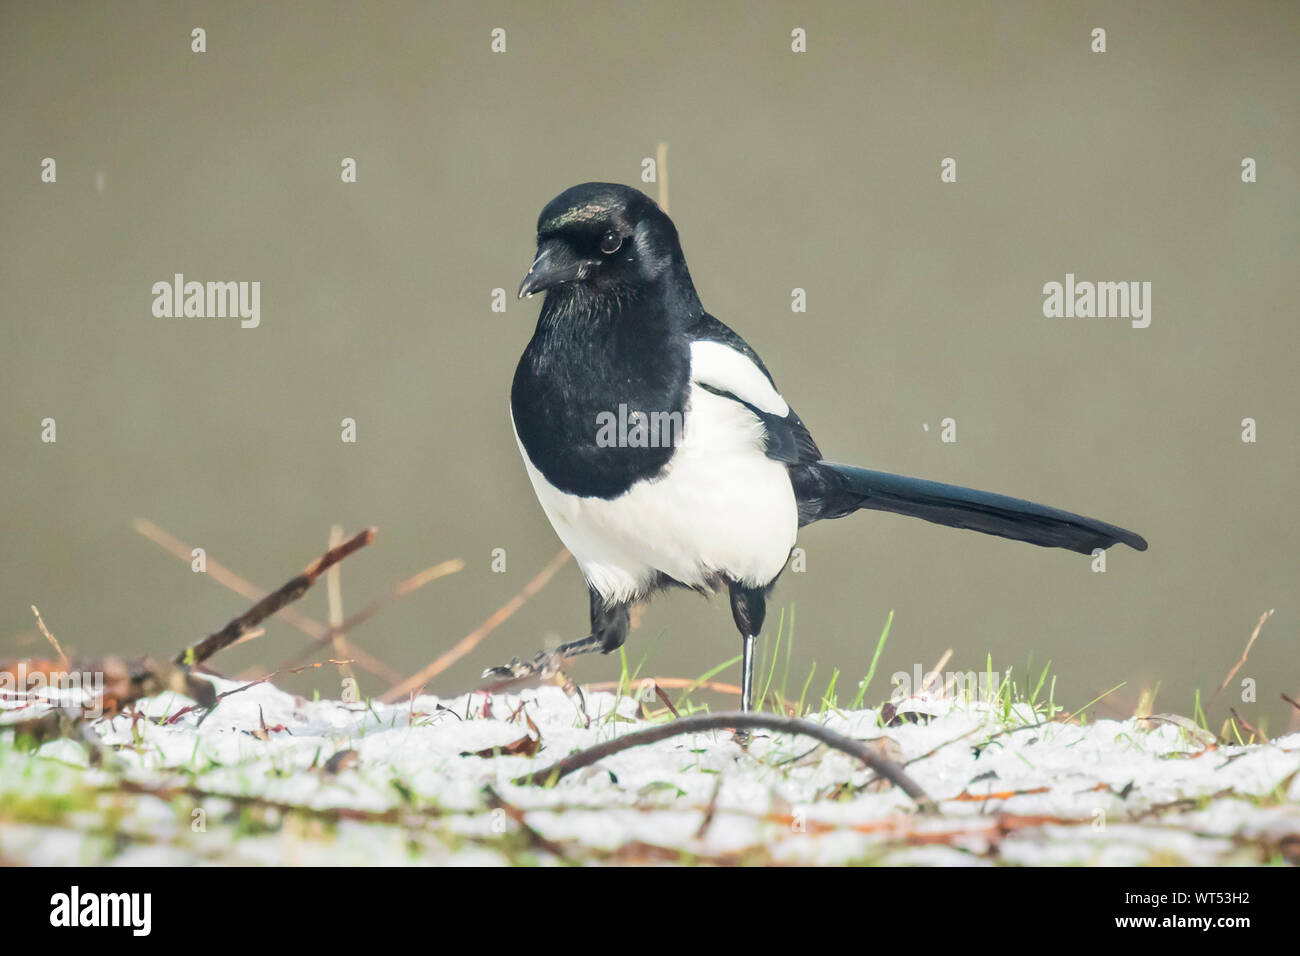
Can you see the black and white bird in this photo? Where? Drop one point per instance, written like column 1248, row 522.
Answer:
column 661, row 449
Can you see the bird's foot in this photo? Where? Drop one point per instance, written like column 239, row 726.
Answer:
column 544, row 665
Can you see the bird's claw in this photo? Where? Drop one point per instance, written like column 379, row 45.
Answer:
column 544, row 665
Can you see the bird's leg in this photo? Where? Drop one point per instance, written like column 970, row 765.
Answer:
column 609, row 627
column 747, row 673
column 748, row 608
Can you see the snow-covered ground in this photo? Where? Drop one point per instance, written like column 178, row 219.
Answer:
column 271, row 778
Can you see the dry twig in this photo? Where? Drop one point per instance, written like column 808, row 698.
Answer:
column 245, row 589
column 334, row 602
column 63, row 658
column 471, row 640
column 288, row 593
column 670, row 683
column 934, row 673
column 1242, row 720
column 1244, row 654
column 737, row 720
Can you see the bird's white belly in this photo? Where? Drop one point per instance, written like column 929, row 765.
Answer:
column 722, row 506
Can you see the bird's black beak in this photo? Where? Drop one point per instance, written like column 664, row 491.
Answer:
column 554, row 265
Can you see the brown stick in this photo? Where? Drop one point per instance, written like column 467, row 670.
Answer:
column 287, row 594
column 1249, row 644
column 671, row 683
column 471, row 640
column 738, row 720
column 688, row 684
column 246, row 589
column 63, row 658
column 496, row 802
column 1242, row 720
column 935, row 672
column 334, row 606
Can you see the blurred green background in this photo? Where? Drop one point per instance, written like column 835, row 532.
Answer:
column 816, row 170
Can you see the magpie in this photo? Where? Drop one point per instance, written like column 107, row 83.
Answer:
column 663, row 453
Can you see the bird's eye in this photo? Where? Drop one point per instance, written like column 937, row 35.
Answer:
column 610, row 243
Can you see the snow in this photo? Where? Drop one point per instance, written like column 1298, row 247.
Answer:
column 253, row 783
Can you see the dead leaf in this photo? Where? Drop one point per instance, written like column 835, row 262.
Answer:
column 342, row 760
column 525, row 746
column 899, row 717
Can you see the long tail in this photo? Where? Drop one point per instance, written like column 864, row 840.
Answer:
column 828, row 490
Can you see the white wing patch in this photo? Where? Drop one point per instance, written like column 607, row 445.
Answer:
column 721, row 367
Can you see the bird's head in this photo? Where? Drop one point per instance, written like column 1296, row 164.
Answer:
column 602, row 238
